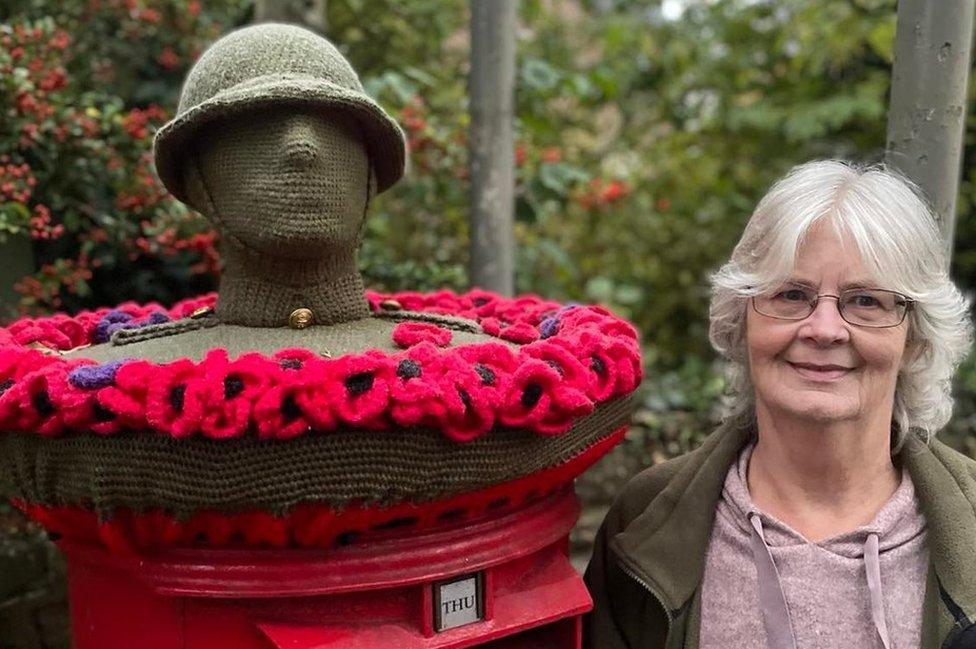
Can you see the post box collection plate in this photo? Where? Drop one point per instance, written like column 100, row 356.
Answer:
column 458, row 602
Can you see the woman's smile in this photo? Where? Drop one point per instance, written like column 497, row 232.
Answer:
column 820, row 372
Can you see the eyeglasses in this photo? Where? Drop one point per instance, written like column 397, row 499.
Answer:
column 863, row 307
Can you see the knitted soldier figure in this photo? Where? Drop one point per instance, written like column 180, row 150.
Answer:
column 277, row 144
column 298, row 408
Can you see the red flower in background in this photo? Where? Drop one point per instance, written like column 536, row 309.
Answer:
column 602, row 193
column 168, row 58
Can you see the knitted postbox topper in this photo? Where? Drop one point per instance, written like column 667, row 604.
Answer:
column 294, row 408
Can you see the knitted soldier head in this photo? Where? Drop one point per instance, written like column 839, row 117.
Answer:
column 277, row 144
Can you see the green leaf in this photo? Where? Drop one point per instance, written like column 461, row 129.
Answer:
column 559, row 177
column 539, row 75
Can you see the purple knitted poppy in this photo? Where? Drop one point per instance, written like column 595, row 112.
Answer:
column 91, row 377
column 549, row 327
column 104, row 329
column 156, row 317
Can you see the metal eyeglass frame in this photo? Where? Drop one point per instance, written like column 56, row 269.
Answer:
column 909, row 306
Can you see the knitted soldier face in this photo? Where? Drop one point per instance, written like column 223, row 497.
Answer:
column 284, row 181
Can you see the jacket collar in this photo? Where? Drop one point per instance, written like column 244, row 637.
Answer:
column 946, row 491
column 665, row 545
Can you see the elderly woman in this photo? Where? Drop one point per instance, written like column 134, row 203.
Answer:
column 822, row 513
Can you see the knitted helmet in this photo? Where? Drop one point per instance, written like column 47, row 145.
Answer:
column 271, row 64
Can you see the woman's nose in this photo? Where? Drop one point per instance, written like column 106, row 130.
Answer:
column 825, row 325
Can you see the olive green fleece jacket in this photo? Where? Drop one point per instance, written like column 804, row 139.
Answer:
column 649, row 556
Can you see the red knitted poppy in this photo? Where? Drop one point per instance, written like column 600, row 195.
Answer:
column 571, row 359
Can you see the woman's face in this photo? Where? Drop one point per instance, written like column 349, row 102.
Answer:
column 823, row 369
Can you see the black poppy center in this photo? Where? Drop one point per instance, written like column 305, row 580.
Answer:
column 556, row 366
column 42, row 403
column 359, row 383
column 396, row 523
column 531, row 395
column 598, row 365
column 291, row 363
column 487, row 376
column 289, row 409
column 408, row 369
column 233, row 386
column 6, row 385
column 101, row 414
column 176, row 397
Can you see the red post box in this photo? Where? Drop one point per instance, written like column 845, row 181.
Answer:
column 500, row 582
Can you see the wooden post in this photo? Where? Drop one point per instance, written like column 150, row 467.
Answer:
column 927, row 115
column 492, row 162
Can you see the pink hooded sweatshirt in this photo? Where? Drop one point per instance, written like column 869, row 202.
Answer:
column 767, row 587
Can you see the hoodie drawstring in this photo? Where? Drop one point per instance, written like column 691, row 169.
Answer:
column 872, row 565
column 772, row 600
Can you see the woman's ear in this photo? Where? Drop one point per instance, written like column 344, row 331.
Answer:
column 915, row 351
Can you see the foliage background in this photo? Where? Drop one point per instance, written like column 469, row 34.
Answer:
column 647, row 130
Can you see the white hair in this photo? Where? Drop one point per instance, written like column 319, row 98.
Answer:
column 898, row 239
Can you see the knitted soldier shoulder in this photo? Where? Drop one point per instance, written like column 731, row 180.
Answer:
column 195, row 336
column 473, row 401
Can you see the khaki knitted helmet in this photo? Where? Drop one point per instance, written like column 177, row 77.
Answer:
column 272, row 64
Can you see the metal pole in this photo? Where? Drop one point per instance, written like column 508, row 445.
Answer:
column 927, row 115
column 491, row 96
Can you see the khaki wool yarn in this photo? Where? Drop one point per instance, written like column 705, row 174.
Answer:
column 288, row 191
column 277, row 144
column 274, row 64
column 275, row 141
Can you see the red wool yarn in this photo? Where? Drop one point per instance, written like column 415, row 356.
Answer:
column 566, row 360
column 582, row 356
column 407, row 334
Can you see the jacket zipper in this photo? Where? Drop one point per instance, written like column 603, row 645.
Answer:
column 660, row 600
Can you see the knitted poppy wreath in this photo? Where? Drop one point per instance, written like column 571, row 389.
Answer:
column 535, row 410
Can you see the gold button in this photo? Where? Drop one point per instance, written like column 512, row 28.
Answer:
column 300, row 318
column 391, row 305
column 202, row 311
